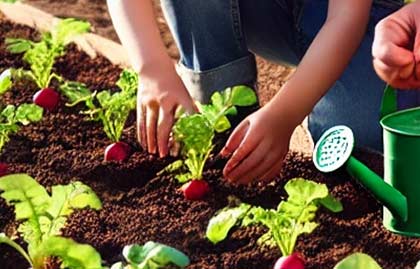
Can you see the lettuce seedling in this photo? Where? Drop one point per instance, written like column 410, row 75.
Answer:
column 42, row 216
column 152, row 256
column 195, row 132
column 41, row 55
column 291, row 218
column 112, row 109
column 358, row 261
column 11, row 117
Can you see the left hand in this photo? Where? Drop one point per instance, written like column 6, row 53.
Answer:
column 258, row 146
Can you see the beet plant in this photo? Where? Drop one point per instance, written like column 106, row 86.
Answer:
column 152, row 256
column 196, row 132
column 111, row 109
column 293, row 217
column 41, row 218
column 12, row 117
column 41, row 57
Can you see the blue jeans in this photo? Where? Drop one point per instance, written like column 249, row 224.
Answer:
column 217, row 40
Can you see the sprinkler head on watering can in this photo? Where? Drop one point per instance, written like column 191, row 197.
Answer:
column 333, row 150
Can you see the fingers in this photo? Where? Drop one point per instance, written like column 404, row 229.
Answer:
column 141, row 126
column 152, row 114
column 241, row 173
column 274, row 171
column 166, row 119
column 235, row 138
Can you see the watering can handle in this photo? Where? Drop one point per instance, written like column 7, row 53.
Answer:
column 389, row 101
column 387, row 195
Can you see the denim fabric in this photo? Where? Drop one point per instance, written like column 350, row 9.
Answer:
column 215, row 38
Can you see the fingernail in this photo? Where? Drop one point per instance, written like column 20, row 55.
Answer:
column 223, row 152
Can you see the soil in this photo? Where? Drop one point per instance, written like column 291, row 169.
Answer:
column 139, row 206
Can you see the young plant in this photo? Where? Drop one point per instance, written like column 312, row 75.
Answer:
column 41, row 57
column 358, row 261
column 12, row 117
column 152, row 256
column 292, row 217
column 42, row 216
column 195, row 133
column 112, row 109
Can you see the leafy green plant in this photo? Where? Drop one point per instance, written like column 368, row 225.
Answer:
column 152, row 256
column 292, row 217
column 41, row 55
column 196, row 132
column 42, row 216
column 11, row 117
column 358, row 261
column 5, row 81
column 112, row 109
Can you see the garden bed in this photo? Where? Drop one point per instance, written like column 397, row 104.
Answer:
column 138, row 206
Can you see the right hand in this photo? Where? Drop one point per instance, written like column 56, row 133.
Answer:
column 396, row 48
column 161, row 92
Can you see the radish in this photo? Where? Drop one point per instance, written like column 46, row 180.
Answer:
column 118, row 151
column 4, row 169
column 46, row 98
column 294, row 261
column 195, row 189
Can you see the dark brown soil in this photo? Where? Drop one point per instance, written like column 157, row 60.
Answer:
column 139, row 206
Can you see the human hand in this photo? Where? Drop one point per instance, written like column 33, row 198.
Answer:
column 258, row 146
column 396, row 48
column 161, row 92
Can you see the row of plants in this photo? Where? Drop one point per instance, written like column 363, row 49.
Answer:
column 43, row 214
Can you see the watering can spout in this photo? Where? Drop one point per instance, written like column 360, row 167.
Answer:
column 390, row 197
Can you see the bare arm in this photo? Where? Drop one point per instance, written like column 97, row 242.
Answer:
column 161, row 90
column 261, row 141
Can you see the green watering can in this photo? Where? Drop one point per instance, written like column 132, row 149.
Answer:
column 400, row 192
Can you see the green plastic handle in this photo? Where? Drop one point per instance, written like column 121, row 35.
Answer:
column 390, row 197
column 389, row 101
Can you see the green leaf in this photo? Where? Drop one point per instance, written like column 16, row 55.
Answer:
column 358, row 261
column 30, row 200
column 154, row 255
column 128, row 81
column 68, row 29
column 75, row 92
column 9, row 113
column 4, row 239
column 5, row 81
column 243, row 96
column 331, row 204
column 27, row 113
column 64, row 199
column 220, row 225
column 18, row 45
column 72, row 254
column 222, row 124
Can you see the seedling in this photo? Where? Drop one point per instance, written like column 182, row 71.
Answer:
column 112, row 109
column 42, row 216
column 196, row 132
column 291, row 218
column 12, row 117
column 41, row 55
column 152, row 256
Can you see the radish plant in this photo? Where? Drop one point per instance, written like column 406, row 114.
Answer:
column 12, row 117
column 42, row 216
column 195, row 133
column 152, row 256
column 41, row 57
column 112, row 109
column 293, row 217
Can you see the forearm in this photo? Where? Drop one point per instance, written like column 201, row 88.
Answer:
column 323, row 63
column 137, row 29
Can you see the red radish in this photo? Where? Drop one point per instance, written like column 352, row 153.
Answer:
column 118, row 151
column 4, row 169
column 46, row 98
column 294, row 261
column 195, row 189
